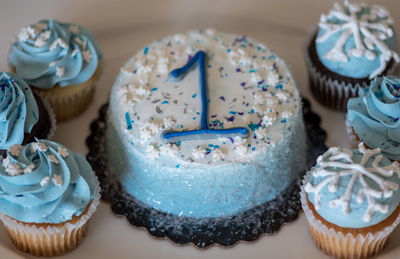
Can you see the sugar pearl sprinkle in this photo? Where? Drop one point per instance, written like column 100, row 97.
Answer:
column 262, row 96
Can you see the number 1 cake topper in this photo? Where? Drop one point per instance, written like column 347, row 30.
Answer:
column 204, row 132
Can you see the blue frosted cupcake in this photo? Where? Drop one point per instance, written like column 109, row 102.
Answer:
column 61, row 60
column 351, row 200
column 23, row 115
column 353, row 44
column 47, row 196
column 373, row 118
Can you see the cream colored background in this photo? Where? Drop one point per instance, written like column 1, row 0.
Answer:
column 123, row 27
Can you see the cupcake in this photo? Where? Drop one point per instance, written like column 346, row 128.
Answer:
column 24, row 116
column 59, row 60
column 351, row 201
column 373, row 118
column 47, row 196
column 351, row 45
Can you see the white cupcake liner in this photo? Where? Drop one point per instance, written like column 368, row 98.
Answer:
column 331, row 92
column 350, row 134
column 344, row 245
column 50, row 239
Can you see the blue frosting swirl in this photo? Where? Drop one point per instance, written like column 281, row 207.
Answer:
column 43, row 182
column 18, row 110
column 383, row 188
column 355, row 66
column 51, row 52
column 375, row 116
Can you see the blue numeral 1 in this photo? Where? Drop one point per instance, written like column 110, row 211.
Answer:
column 204, row 132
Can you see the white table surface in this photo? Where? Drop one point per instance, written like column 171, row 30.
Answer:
column 122, row 28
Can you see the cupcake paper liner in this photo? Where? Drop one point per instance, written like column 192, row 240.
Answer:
column 338, row 244
column 332, row 93
column 249, row 225
column 71, row 105
column 50, row 239
column 350, row 133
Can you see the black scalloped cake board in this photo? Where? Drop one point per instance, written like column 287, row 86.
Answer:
column 226, row 231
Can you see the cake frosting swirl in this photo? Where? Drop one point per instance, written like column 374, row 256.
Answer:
column 354, row 188
column 18, row 110
column 375, row 116
column 356, row 40
column 43, row 182
column 51, row 53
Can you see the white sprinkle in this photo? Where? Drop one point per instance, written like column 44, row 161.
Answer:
column 63, row 152
column 29, row 169
column 73, row 28
column 38, row 146
column 15, row 150
column 40, row 26
column 57, row 180
column 152, row 152
column 40, row 42
column 13, row 169
column 87, row 56
column 60, row 71
column 52, row 64
column 58, row 42
column 6, row 162
column 44, row 181
column 23, row 34
column 74, row 52
column 198, row 153
column 80, row 42
column 218, row 155
column 53, row 159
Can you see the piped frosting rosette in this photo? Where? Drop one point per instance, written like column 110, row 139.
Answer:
column 50, row 52
column 18, row 110
column 351, row 201
column 374, row 116
column 47, row 195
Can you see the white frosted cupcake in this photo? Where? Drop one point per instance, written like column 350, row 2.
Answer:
column 351, row 201
column 47, row 195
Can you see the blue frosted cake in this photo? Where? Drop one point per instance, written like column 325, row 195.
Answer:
column 205, row 124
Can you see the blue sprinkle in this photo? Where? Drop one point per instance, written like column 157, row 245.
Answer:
column 154, row 89
column 194, row 118
column 253, row 126
column 228, row 50
column 128, row 121
column 164, row 102
column 232, row 112
column 252, row 71
column 231, row 139
column 283, row 121
column 279, row 86
column 194, row 95
column 179, row 143
column 178, row 165
column 146, row 49
column 253, row 148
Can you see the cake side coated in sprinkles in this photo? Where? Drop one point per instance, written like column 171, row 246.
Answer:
column 248, row 86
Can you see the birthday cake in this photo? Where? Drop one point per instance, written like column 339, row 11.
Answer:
column 205, row 124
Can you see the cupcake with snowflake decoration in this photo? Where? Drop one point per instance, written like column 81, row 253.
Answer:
column 62, row 61
column 47, row 196
column 351, row 200
column 352, row 44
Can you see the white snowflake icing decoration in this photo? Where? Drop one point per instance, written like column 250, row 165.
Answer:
column 73, row 28
column 334, row 158
column 368, row 33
